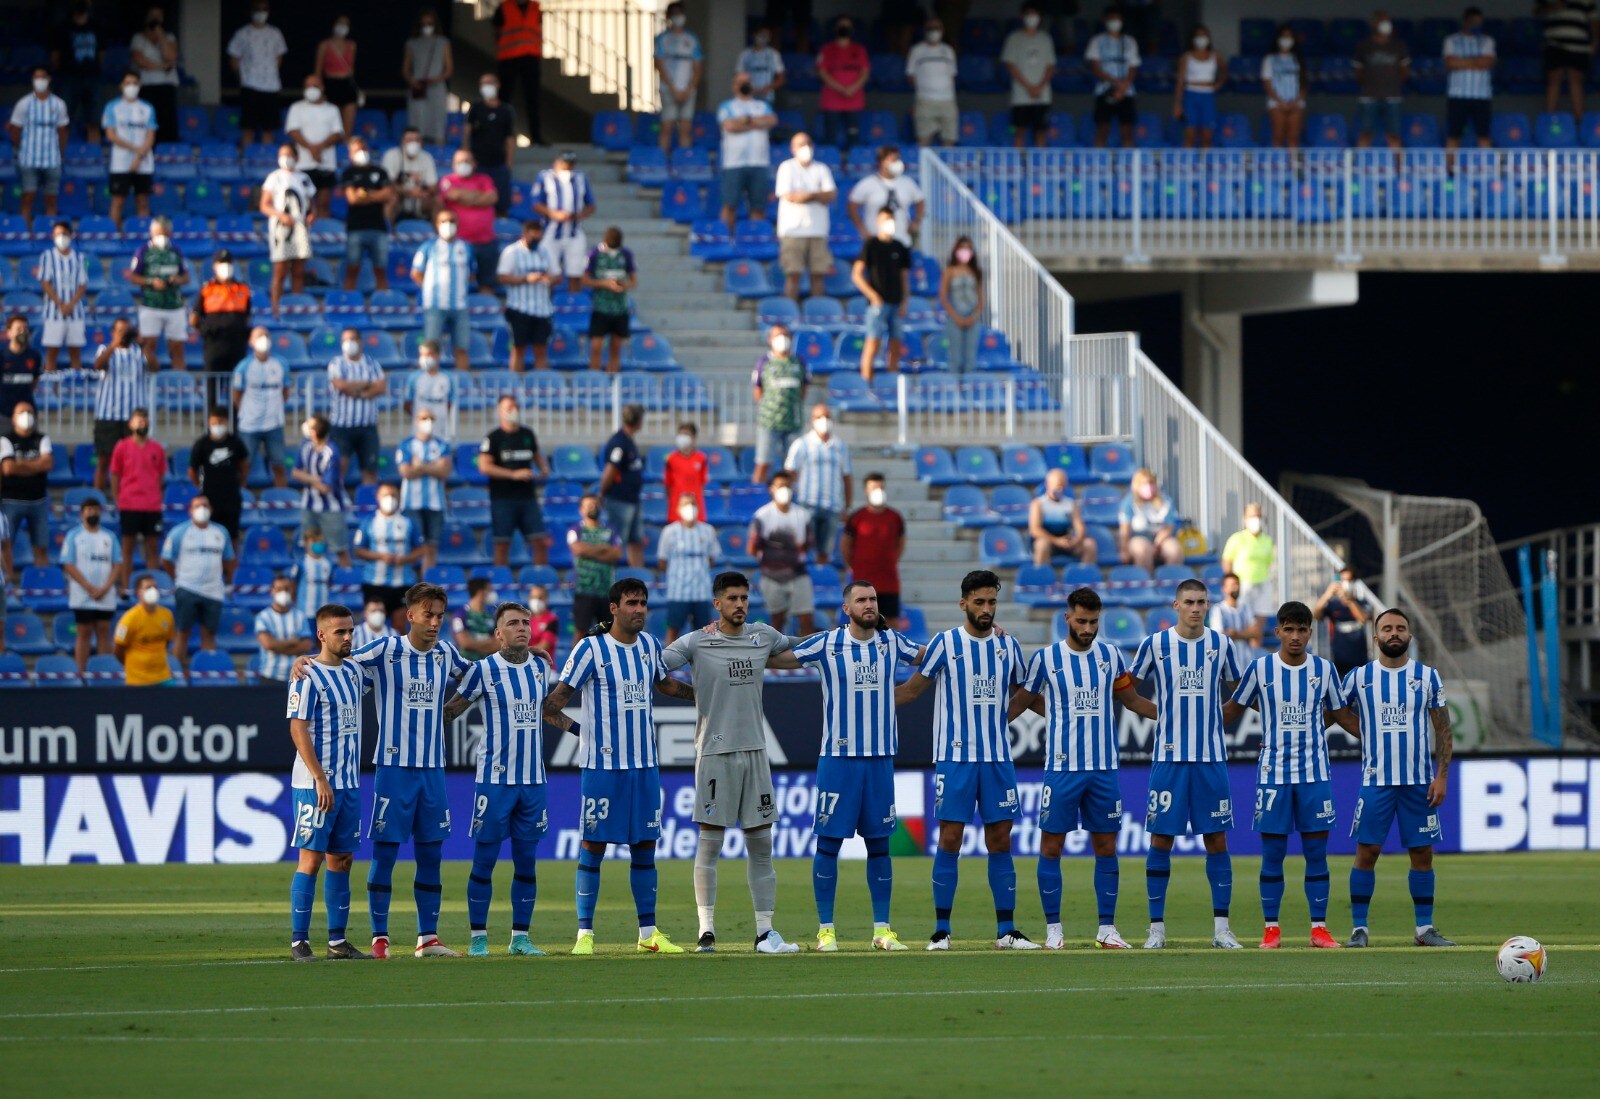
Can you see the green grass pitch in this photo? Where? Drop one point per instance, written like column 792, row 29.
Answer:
column 175, row 980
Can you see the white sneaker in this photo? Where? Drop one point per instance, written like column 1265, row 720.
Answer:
column 1108, row 939
column 1226, row 940
column 1054, row 940
column 772, row 943
column 1015, row 940
column 940, row 941
column 1157, row 939
column 431, row 947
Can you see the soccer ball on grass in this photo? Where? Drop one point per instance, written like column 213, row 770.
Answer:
column 1521, row 960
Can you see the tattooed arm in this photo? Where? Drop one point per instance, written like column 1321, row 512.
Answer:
column 1444, row 747
column 674, row 688
column 554, row 702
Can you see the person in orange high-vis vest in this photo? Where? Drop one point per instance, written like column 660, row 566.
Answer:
column 519, row 48
column 221, row 314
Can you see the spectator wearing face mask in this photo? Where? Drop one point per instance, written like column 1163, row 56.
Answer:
column 26, row 459
column 527, row 270
column 221, row 314
column 432, row 390
column 819, row 462
column 316, row 128
column 388, row 544
column 91, row 560
column 443, row 267
column 160, row 272
column 131, row 130
column 844, row 68
column 1056, row 525
column 1029, row 56
column 931, row 68
column 472, row 628
column 687, row 471
column 1146, row 527
column 1249, row 554
column 519, row 49
column 1469, row 60
column 609, row 277
column 687, row 551
column 596, row 549
column 779, row 382
column 153, row 54
column 322, row 502
column 563, row 197
column 288, row 202
column 256, row 54
column 426, row 67
column 679, row 61
column 335, row 65
column 806, row 191
column 1236, row 620
column 1283, row 75
column 873, row 542
column 472, row 196
column 961, row 297
column 1201, row 72
column 424, row 464
column 369, row 192
column 355, row 382
column 763, row 64
column 143, row 637
column 621, row 482
column 882, row 272
column 313, row 575
column 282, row 633
column 490, row 135
column 260, row 389
column 20, row 366
column 780, row 541
column 1114, row 59
column 219, row 466
column 415, row 178
column 512, row 461
column 1346, row 613
column 1383, row 65
column 38, row 128
column 373, row 626
column 745, row 121
column 889, row 188
column 77, row 52
column 544, row 626
column 198, row 555
column 64, row 282
column 123, row 390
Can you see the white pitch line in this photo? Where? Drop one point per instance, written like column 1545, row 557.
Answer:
column 259, row 1009
column 829, row 1039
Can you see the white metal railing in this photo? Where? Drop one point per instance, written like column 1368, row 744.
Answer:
column 176, row 400
column 1342, row 204
column 611, row 42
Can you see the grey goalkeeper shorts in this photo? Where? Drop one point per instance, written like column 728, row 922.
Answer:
column 734, row 790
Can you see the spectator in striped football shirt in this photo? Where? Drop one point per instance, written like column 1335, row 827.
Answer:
column 687, row 550
column 283, row 632
column 820, row 463
column 562, row 196
column 124, row 387
column 64, row 280
column 424, row 464
column 38, row 128
column 357, row 381
column 527, row 270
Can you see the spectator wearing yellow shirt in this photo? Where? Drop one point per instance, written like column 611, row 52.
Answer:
column 1249, row 555
column 144, row 636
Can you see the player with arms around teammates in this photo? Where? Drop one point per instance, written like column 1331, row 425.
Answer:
column 325, row 724
column 621, row 786
column 1297, row 694
column 1072, row 684
column 1397, row 700
column 732, row 774
column 1192, row 666
column 509, row 799
column 859, row 663
column 977, row 671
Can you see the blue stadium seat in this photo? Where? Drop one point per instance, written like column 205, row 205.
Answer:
column 43, row 588
column 266, row 546
column 103, row 670
column 1555, row 130
column 25, row 634
column 1327, row 131
column 459, row 545
column 452, row 578
column 1100, row 504
column 1011, row 503
column 966, row 506
column 649, row 351
column 1122, row 627
column 1035, row 586
column 56, row 671
column 936, row 467
column 574, row 463
column 978, row 465
column 1003, row 547
column 747, row 279
column 612, row 131
column 683, row 202
column 648, row 166
column 14, row 672
column 215, row 669
column 1133, row 586
column 1510, row 130
column 721, row 465
column 1113, row 463
column 1023, row 464
column 236, row 633
column 778, row 309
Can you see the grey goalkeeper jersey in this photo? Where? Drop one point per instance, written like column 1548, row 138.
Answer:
column 727, row 675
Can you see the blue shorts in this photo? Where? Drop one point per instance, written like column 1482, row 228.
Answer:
column 409, row 803
column 1188, row 797
column 371, row 243
column 855, row 796
column 502, row 812
column 885, row 323
column 190, row 608
column 510, row 515
column 337, row 830
column 1200, row 110
column 1378, row 117
column 458, row 320
column 1378, row 806
column 267, row 443
column 1080, row 799
column 753, row 184
column 688, row 614
column 621, row 806
column 46, row 181
column 622, row 516
column 1284, row 807
column 430, row 523
column 989, row 790
column 360, row 443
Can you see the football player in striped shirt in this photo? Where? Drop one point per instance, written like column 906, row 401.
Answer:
column 1297, row 695
column 1398, row 702
column 615, row 668
column 1192, row 666
column 509, row 800
column 977, row 670
column 859, row 663
column 325, row 724
column 1072, row 684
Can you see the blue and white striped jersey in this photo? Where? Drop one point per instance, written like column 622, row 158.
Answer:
column 689, row 552
column 1117, row 54
column 1294, row 744
column 123, row 384
column 1469, row 83
column 518, row 259
column 822, row 466
column 858, row 678
column 433, row 393
column 65, row 272
column 1224, row 617
column 329, row 698
column 618, row 731
column 420, row 493
column 512, row 750
column 447, row 267
column 346, row 411
column 1189, row 676
column 1081, row 725
column 314, row 583
column 365, row 635
column 134, row 123
column 973, row 677
column 410, row 686
column 570, row 197
column 40, row 121
column 387, row 534
column 1396, row 730
column 288, row 626
column 321, row 462
column 1280, row 76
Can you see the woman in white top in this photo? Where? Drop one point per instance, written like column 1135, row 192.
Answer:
column 427, row 68
column 1201, row 72
column 288, row 202
column 154, row 56
column 1145, row 525
column 1284, row 77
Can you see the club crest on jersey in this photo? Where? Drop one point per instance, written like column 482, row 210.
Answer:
column 1105, row 667
column 1416, row 685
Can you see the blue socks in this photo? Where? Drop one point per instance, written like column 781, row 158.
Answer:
column 425, row 886
column 880, row 879
column 302, row 892
column 1050, row 888
column 1273, row 850
column 524, row 883
column 825, row 876
column 945, row 876
column 1316, row 852
column 380, row 875
column 1219, row 872
column 1421, row 882
column 642, row 877
column 1003, row 884
column 336, row 894
column 1157, row 869
column 1361, row 886
column 1107, row 877
column 588, row 887
column 480, row 886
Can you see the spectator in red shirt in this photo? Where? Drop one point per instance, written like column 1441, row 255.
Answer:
column 542, row 622
column 471, row 196
column 874, row 540
column 688, row 471
column 138, row 468
column 844, row 68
